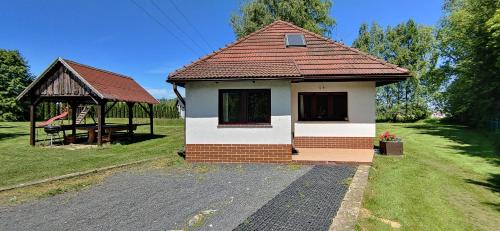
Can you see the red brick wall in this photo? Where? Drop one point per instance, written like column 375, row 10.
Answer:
column 239, row 153
column 333, row 142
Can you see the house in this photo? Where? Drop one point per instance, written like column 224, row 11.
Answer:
column 279, row 88
column 180, row 108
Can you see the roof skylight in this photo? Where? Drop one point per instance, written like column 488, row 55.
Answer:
column 295, row 40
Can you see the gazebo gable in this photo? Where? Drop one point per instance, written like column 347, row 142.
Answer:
column 59, row 80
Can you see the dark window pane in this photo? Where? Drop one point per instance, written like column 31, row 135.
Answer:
column 258, row 106
column 244, row 106
column 340, row 107
column 305, row 107
column 323, row 106
column 231, row 105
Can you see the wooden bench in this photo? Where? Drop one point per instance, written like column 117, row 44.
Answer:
column 108, row 131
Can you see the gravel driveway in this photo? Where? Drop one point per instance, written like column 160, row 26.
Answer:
column 205, row 197
column 217, row 198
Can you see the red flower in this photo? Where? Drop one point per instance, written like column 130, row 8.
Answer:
column 387, row 136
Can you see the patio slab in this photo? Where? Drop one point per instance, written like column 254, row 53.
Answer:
column 333, row 156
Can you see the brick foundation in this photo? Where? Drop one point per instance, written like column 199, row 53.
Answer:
column 239, row 153
column 333, row 142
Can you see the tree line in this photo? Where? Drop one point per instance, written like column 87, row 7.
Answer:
column 166, row 109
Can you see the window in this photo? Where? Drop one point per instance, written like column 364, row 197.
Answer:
column 295, row 40
column 245, row 106
column 323, row 106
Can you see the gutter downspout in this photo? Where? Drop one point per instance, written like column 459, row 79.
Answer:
column 183, row 102
column 179, row 96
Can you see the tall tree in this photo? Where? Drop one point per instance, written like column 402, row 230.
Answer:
column 408, row 45
column 14, row 77
column 312, row 15
column 469, row 38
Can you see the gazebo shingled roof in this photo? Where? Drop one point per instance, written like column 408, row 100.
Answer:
column 104, row 84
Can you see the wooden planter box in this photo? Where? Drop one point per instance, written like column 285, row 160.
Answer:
column 391, row 147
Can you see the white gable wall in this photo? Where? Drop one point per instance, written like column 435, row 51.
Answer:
column 361, row 110
column 202, row 99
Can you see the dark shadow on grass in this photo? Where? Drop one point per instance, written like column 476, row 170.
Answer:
column 136, row 138
column 492, row 183
column 4, row 136
column 472, row 142
column 495, row 206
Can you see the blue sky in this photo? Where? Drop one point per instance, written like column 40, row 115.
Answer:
column 119, row 36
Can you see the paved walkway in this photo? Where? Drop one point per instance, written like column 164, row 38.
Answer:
column 347, row 215
column 309, row 203
column 211, row 197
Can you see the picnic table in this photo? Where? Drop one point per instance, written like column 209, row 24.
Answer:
column 108, row 130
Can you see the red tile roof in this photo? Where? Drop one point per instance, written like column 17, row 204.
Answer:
column 263, row 55
column 112, row 86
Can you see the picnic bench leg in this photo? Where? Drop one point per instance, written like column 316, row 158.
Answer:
column 91, row 136
column 110, row 131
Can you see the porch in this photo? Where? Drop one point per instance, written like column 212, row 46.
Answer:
column 332, row 156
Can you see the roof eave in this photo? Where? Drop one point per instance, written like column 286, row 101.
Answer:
column 243, row 78
column 333, row 78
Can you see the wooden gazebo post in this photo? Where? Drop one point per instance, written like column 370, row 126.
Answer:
column 99, row 124
column 73, row 106
column 130, row 116
column 32, row 124
column 151, row 119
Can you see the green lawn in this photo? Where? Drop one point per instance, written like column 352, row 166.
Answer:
column 22, row 163
column 448, row 179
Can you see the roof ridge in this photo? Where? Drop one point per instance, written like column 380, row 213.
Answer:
column 98, row 69
column 193, row 63
column 348, row 47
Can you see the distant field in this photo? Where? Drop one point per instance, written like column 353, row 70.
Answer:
column 22, row 163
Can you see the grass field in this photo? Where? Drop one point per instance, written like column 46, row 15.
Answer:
column 23, row 163
column 449, row 179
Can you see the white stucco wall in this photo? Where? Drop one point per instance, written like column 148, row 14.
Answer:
column 202, row 114
column 360, row 107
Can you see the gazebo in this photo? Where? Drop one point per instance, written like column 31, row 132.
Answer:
column 79, row 84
